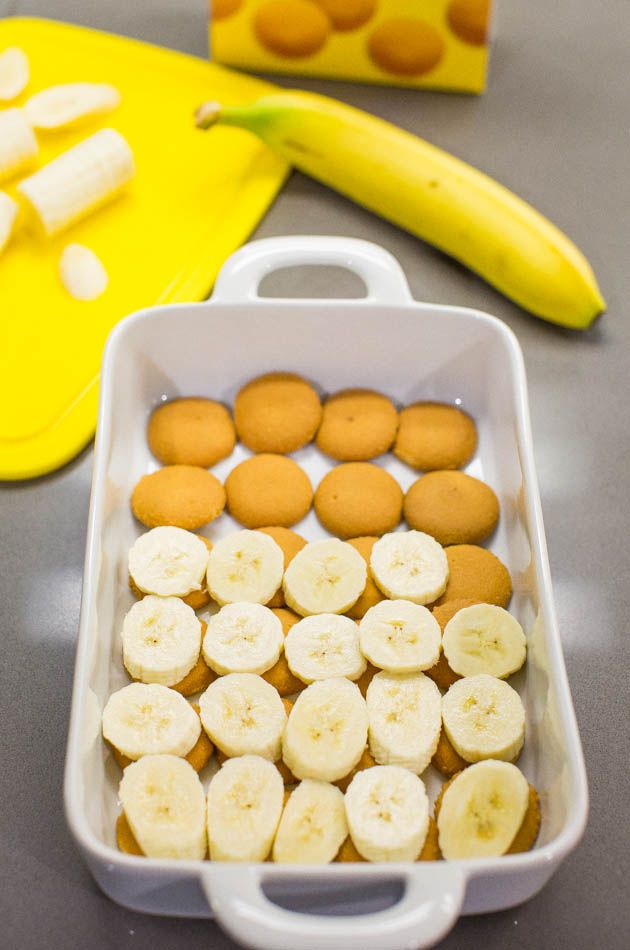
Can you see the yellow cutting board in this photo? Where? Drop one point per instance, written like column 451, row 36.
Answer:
column 195, row 198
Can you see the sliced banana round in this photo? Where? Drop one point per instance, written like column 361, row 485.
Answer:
column 165, row 805
column 484, row 718
column 161, row 640
column 243, row 638
column 327, row 730
column 244, row 715
column 149, row 719
column 313, row 825
column 409, row 565
column 400, row 636
column 323, row 646
column 388, row 813
column 404, row 712
column 326, row 576
column 70, row 104
column 15, row 72
column 245, row 566
column 482, row 810
column 484, row 639
column 18, row 145
column 169, row 562
column 244, row 807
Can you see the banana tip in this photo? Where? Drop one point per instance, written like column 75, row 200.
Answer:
column 207, row 114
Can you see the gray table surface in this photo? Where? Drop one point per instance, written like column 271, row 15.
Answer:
column 553, row 126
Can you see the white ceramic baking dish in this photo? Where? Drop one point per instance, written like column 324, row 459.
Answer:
column 409, row 350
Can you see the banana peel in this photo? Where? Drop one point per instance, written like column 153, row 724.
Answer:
column 430, row 193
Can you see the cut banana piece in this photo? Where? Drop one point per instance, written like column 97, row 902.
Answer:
column 14, row 73
column 388, row 813
column 313, row 825
column 78, row 181
column 18, row 145
column 8, row 215
column 244, row 807
column 327, row 730
column 324, row 646
column 243, row 638
column 482, row 810
column 409, row 565
column 165, row 806
column 405, row 719
column 161, row 640
column 326, row 576
column 244, row 715
column 484, row 639
column 400, row 636
column 142, row 719
column 245, row 566
column 70, row 104
column 82, row 272
column 169, row 562
column 484, row 718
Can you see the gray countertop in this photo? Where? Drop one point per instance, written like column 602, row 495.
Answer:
column 554, row 127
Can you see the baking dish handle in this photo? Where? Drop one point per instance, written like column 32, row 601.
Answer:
column 427, row 910
column 242, row 273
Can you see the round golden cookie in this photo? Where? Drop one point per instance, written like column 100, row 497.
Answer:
column 191, row 432
column 435, row 435
column 371, row 594
column 453, row 507
column 348, row 14
column 291, row 28
column 406, row 46
column 357, row 425
column 278, row 413
column 445, row 759
column 364, row 681
column 221, row 9
column 365, row 762
column 468, row 19
column 476, row 574
column 199, row 678
column 282, row 679
column 286, row 617
column 183, row 496
column 357, row 499
column 290, row 543
column 268, row 489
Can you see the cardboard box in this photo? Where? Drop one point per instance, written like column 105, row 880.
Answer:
column 430, row 44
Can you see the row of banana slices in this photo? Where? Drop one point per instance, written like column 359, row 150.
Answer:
column 384, row 813
column 73, row 184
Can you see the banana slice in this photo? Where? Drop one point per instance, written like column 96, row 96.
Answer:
column 313, row 825
column 400, row 637
column 323, row 646
column 14, row 73
column 165, row 806
column 388, row 813
column 78, row 181
column 168, row 562
column 484, row 639
column 243, row 715
column 142, row 719
column 326, row 576
column 161, row 640
column 82, row 272
column 245, row 566
column 409, row 565
column 18, row 145
column 405, row 719
column 243, row 638
column 70, row 104
column 327, row 730
column 484, row 718
column 482, row 810
column 8, row 214
column 244, row 807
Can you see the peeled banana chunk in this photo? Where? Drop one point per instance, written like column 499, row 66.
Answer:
column 14, row 73
column 70, row 104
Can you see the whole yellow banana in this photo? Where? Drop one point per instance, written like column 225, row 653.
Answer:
column 432, row 194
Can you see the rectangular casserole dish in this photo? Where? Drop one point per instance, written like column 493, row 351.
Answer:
column 410, row 351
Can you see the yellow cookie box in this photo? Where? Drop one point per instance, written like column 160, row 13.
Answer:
column 429, row 44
